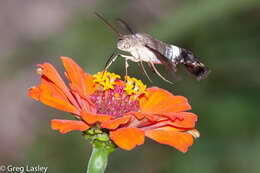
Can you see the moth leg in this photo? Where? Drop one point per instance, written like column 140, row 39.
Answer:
column 126, row 67
column 144, row 71
column 127, row 57
column 149, row 64
column 110, row 60
column 158, row 73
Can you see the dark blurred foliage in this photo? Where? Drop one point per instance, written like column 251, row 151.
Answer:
column 224, row 34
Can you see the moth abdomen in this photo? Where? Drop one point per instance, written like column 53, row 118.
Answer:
column 172, row 52
column 198, row 69
column 192, row 64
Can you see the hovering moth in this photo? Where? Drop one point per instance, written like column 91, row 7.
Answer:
column 144, row 48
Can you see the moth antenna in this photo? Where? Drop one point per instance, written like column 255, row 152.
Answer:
column 123, row 24
column 107, row 23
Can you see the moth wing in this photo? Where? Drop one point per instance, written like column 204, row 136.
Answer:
column 165, row 61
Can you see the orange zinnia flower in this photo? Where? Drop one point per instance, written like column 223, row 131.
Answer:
column 125, row 110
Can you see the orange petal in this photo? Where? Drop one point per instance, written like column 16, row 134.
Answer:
column 34, row 92
column 127, row 138
column 141, row 115
column 51, row 74
column 113, row 124
column 188, row 122
column 51, row 95
column 172, row 116
column 171, row 136
column 91, row 118
column 52, row 89
column 183, row 120
column 138, row 115
column 58, row 103
column 65, row 126
column 89, row 83
column 75, row 74
column 85, row 103
column 161, row 101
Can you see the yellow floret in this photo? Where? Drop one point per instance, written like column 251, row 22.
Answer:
column 141, row 87
column 129, row 89
column 106, row 79
column 134, row 86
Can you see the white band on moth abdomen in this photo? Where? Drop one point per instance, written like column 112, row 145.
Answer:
column 175, row 51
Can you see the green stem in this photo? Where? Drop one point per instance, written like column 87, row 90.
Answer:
column 99, row 157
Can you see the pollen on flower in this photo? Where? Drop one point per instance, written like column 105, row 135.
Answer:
column 39, row 71
column 129, row 87
column 134, row 86
column 106, row 79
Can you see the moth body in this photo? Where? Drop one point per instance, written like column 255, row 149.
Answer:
column 144, row 48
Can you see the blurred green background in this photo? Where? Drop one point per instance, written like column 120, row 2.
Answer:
column 224, row 34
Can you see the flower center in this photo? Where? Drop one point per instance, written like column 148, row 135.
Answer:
column 114, row 102
column 115, row 97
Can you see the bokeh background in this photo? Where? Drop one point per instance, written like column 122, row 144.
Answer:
column 225, row 34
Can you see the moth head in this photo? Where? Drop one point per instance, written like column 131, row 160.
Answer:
column 125, row 42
